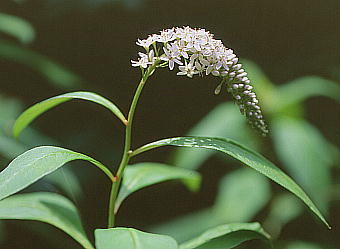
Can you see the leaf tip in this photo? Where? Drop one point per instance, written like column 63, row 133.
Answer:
column 325, row 222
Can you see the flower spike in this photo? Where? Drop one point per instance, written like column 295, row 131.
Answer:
column 195, row 51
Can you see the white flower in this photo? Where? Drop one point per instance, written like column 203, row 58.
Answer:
column 181, row 48
column 188, row 70
column 172, row 56
column 145, row 59
column 142, row 62
column 145, row 43
column 166, row 35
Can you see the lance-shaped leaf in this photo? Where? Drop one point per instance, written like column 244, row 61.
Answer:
column 34, row 111
column 63, row 178
column 243, row 154
column 145, row 174
column 17, row 27
column 36, row 163
column 51, row 208
column 227, row 236
column 129, row 238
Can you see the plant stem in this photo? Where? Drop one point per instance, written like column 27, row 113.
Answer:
column 127, row 147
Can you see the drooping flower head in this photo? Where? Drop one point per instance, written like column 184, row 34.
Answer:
column 196, row 52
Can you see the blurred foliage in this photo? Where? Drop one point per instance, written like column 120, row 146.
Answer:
column 228, row 207
column 303, row 245
column 25, row 33
column 17, row 27
column 54, row 73
column 306, row 154
column 283, row 209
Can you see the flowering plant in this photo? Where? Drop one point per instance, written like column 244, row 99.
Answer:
column 196, row 52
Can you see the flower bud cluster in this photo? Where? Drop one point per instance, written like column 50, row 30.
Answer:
column 195, row 51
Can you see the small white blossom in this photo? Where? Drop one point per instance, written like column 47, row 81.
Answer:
column 146, row 43
column 145, row 59
column 166, row 35
column 142, row 62
column 172, row 56
column 188, row 70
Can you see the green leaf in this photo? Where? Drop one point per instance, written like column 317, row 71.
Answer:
column 51, row 208
column 227, row 236
column 254, row 189
column 287, row 97
column 17, row 27
column 214, row 125
column 63, row 178
column 129, row 238
column 243, row 154
column 228, row 207
column 34, row 111
column 300, row 89
column 55, row 73
column 141, row 175
column 306, row 155
column 10, row 148
column 36, row 163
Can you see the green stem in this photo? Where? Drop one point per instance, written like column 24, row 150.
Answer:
column 127, row 146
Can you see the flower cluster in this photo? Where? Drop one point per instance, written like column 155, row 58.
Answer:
column 195, row 51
